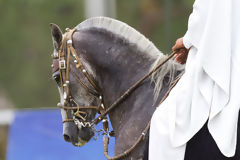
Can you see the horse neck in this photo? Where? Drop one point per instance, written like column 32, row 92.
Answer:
column 118, row 65
column 131, row 116
column 116, row 83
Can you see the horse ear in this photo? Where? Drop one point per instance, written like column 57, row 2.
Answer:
column 56, row 35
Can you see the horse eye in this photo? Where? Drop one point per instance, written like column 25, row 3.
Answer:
column 56, row 77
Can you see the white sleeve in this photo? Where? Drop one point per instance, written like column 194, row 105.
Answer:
column 196, row 24
column 186, row 42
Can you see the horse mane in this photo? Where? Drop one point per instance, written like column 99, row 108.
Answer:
column 144, row 45
column 170, row 69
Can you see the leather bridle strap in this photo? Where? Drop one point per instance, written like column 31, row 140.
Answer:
column 81, row 67
column 79, row 107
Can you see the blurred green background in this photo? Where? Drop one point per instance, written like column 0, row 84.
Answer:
column 26, row 45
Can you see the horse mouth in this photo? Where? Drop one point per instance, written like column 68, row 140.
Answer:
column 83, row 138
column 80, row 143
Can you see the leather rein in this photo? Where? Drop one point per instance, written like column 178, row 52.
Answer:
column 79, row 117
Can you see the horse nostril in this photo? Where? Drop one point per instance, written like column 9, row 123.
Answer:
column 67, row 138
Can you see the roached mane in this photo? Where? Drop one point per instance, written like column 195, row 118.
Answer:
column 132, row 36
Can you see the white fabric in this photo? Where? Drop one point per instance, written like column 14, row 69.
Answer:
column 209, row 88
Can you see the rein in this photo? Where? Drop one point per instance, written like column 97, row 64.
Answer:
column 65, row 50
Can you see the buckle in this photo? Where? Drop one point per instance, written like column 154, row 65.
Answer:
column 69, row 41
column 62, row 64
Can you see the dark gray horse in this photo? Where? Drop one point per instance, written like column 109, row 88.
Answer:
column 116, row 56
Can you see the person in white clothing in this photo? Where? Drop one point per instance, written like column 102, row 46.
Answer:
column 208, row 92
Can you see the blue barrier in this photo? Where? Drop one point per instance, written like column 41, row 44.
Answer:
column 37, row 135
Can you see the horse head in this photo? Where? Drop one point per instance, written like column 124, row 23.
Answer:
column 77, row 134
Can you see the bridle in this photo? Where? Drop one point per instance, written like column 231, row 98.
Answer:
column 79, row 118
column 65, row 51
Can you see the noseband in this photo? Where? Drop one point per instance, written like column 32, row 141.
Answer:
column 66, row 49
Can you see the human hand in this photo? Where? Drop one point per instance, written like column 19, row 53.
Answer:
column 182, row 52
